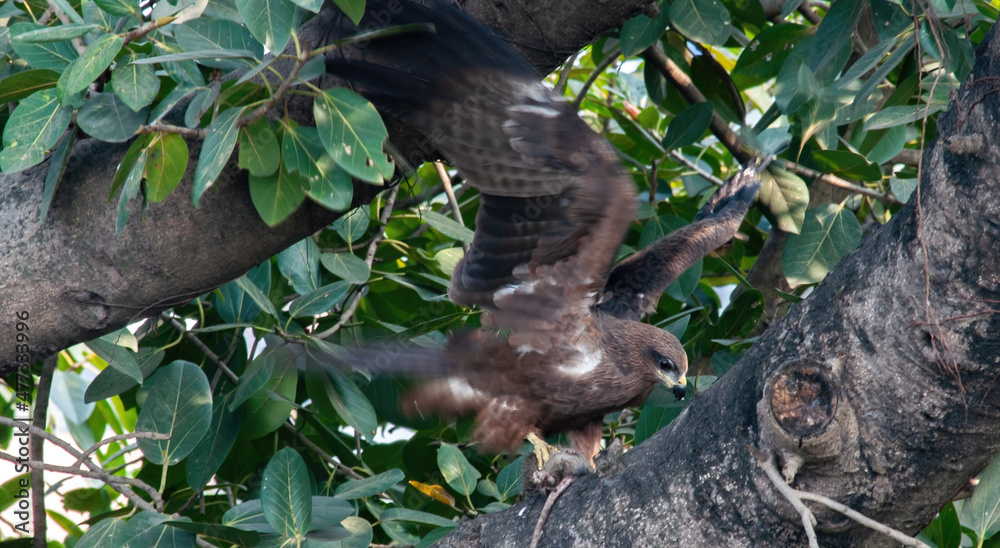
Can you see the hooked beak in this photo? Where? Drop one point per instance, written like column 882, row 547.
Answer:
column 678, row 387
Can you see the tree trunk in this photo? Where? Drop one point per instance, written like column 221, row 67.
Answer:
column 877, row 391
column 77, row 280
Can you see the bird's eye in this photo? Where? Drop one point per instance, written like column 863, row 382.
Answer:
column 666, row 364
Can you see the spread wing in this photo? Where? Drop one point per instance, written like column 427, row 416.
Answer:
column 634, row 286
column 555, row 203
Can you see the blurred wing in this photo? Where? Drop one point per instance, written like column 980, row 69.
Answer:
column 555, row 203
column 635, row 285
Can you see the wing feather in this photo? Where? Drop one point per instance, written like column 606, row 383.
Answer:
column 555, row 202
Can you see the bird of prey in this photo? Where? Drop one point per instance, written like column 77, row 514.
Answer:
column 561, row 343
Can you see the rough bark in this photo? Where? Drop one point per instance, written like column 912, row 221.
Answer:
column 881, row 385
column 77, row 280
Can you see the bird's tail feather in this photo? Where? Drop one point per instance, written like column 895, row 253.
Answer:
column 382, row 359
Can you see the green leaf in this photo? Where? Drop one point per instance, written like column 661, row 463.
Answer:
column 34, row 127
column 828, row 233
column 740, row 316
column 215, row 151
column 150, row 529
column 57, row 167
column 107, row 532
column 259, row 152
column 263, row 414
column 116, row 357
column 214, row 447
column 352, row 225
column 361, row 534
column 945, row 530
column 19, row 85
column 319, row 300
column 104, row 116
column 130, row 189
column 981, row 513
column 285, row 494
column 56, row 34
column 333, row 188
column 352, row 132
column 457, row 471
column 346, row 266
column 723, row 361
column 277, row 196
column 510, row 480
column 50, row 55
column 489, row 489
column 179, row 404
column 652, row 419
column 688, row 126
column 222, row 533
column 121, row 8
column 165, row 165
column 329, row 512
column 92, row 62
column 902, row 188
column 641, row 31
column 446, row 226
column 136, row 85
column 763, row 58
column 68, row 391
column 415, row 516
column 256, row 294
column 846, row 164
column 203, row 101
column 350, row 403
column 270, row 21
column 111, row 382
column 898, row 55
column 300, row 264
column 369, row 487
column 899, row 115
column 253, row 379
column 785, row 197
column 834, row 31
column 355, row 9
column 216, row 43
column 705, row 21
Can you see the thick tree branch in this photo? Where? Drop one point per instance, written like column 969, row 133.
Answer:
column 862, row 395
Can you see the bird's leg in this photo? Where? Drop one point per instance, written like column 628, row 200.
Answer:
column 542, row 450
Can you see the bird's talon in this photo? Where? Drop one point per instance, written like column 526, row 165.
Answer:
column 542, row 450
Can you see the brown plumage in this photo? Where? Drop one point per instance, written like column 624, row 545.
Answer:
column 561, row 345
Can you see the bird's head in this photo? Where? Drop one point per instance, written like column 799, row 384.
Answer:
column 670, row 361
column 645, row 352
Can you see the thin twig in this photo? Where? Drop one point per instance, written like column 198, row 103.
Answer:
column 383, row 218
column 122, row 484
column 560, row 87
column 128, row 435
column 833, row 180
column 37, row 449
column 450, row 193
column 795, row 498
column 682, row 82
column 233, row 377
column 343, row 468
column 598, row 70
column 707, row 175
